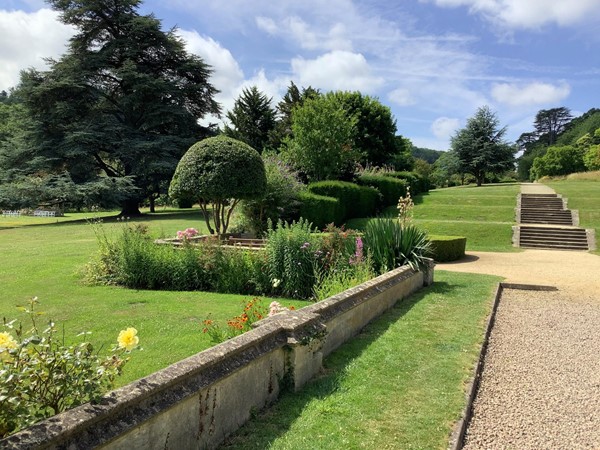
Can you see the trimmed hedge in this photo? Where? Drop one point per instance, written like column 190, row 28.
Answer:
column 417, row 182
column 447, row 248
column 354, row 200
column 320, row 210
column 391, row 188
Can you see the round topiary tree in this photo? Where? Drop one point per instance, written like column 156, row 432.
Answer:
column 219, row 171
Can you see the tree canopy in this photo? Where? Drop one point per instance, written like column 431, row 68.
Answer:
column 480, row 146
column 123, row 102
column 551, row 122
column 219, row 171
column 252, row 119
column 375, row 129
column 322, row 146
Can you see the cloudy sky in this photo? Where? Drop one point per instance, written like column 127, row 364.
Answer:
column 433, row 62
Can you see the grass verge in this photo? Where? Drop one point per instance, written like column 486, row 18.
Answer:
column 584, row 196
column 484, row 215
column 399, row 384
column 43, row 261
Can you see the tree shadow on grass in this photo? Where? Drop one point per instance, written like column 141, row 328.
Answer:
column 192, row 215
column 264, row 428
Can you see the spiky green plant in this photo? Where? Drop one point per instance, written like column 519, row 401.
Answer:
column 390, row 245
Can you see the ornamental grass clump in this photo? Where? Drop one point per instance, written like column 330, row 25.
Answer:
column 394, row 242
column 41, row 375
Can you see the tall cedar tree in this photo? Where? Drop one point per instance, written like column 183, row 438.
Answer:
column 123, row 102
column 252, row 119
column 481, row 147
column 551, row 122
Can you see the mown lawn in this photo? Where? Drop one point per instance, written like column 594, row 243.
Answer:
column 485, row 215
column 400, row 384
column 583, row 195
column 45, row 261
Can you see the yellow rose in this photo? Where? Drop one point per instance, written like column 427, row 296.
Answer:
column 128, row 339
column 7, row 341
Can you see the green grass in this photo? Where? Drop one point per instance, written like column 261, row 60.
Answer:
column 399, row 384
column 583, row 195
column 23, row 221
column 44, row 260
column 485, row 215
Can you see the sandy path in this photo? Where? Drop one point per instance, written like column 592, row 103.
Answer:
column 540, row 386
column 567, row 270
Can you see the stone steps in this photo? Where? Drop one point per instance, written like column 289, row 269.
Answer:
column 548, row 209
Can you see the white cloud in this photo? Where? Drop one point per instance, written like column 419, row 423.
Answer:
column 267, row 24
column 307, row 36
column 337, row 70
column 530, row 94
column 444, row 127
column 529, row 13
column 27, row 38
column 402, row 97
column 429, row 142
column 227, row 74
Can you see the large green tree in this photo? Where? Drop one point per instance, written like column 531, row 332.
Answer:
column 322, row 145
column 122, row 103
column 293, row 98
column 480, row 146
column 549, row 123
column 252, row 119
column 375, row 130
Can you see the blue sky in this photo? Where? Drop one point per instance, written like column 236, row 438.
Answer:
column 433, row 62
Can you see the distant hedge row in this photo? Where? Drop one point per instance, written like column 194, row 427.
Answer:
column 325, row 202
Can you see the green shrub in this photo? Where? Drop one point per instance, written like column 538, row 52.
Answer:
column 135, row 261
column 354, row 200
column 219, row 171
column 41, row 376
column 280, row 199
column 291, row 258
column 558, row 160
column 340, row 279
column 391, row 245
column 391, row 188
column 447, row 248
column 417, row 182
column 369, row 201
column 319, row 210
column 592, row 158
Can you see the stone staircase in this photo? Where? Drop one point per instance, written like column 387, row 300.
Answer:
column 545, row 209
column 545, row 223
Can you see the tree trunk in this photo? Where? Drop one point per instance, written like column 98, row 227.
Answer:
column 480, row 178
column 130, row 208
column 151, row 201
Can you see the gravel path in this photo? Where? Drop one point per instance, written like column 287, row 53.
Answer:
column 540, row 388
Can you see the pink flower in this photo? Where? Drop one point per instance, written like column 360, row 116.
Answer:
column 187, row 234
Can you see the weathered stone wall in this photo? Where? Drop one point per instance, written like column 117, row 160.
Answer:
column 197, row 402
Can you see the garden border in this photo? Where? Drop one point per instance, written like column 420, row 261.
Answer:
column 198, row 401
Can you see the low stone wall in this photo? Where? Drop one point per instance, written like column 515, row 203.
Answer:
column 197, row 402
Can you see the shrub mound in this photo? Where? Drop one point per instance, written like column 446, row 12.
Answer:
column 417, row 182
column 447, row 248
column 319, row 210
column 391, row 188
column 354, row 200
